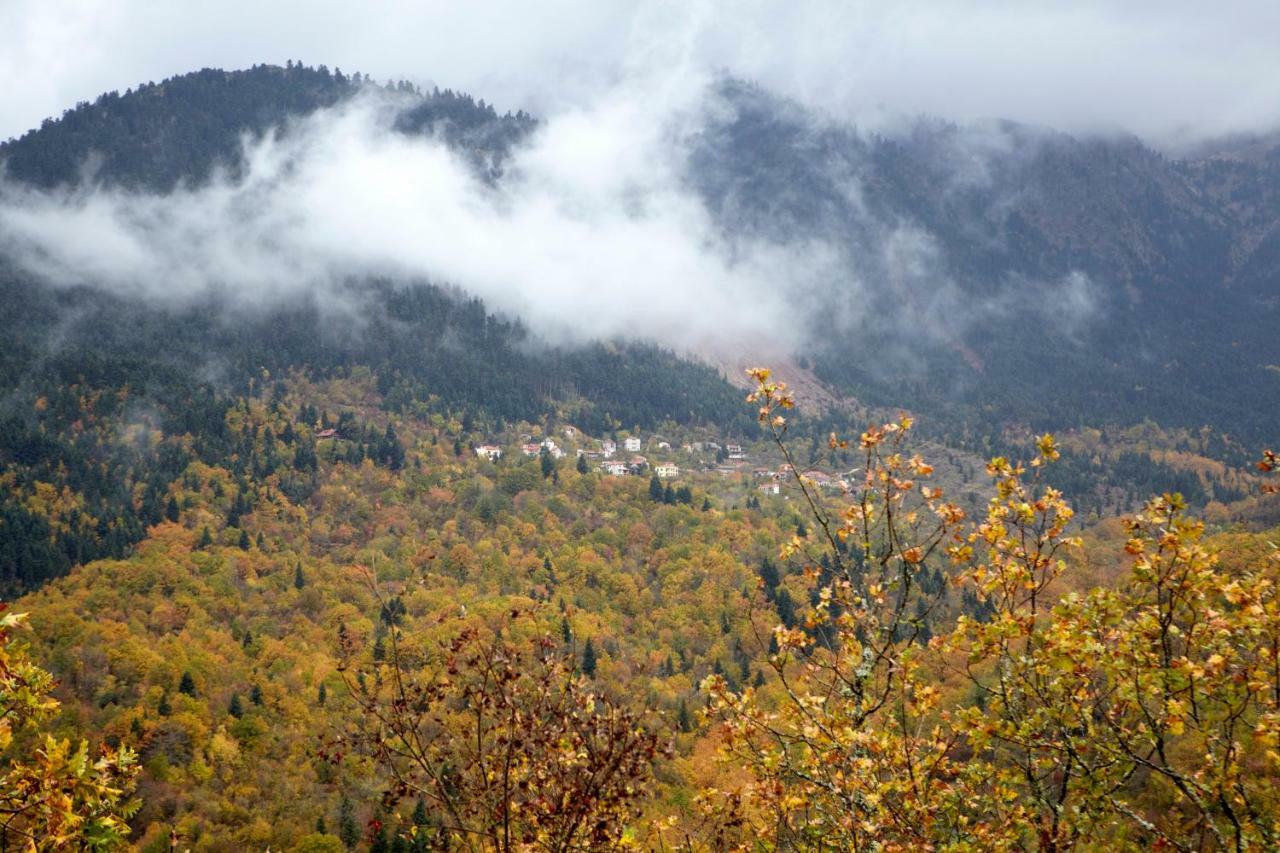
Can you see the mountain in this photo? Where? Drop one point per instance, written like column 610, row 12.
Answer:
column 174, row 368
column 1005, row 273
column 253, row 537
column 993, row 277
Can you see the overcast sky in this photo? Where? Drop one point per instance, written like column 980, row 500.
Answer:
column 1167, row 70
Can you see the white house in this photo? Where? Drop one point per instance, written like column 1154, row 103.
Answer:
column 771, row 488
column 632, row 445
column 552, row 448
column 531, row 449
column 570, row 432
column 608, row 448
column 614, row 467
column 492, row 452
column 667, row 470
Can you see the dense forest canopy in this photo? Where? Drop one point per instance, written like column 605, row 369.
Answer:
column 373, row 565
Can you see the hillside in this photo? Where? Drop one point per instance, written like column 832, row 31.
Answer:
column 1000, row 273
column 362, row 563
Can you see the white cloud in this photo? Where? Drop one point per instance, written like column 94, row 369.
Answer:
column 590, row 235
column 1172, row 71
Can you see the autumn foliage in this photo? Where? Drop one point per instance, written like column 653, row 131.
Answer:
column 53, row 794
column 509, row 746
column 1142, row 715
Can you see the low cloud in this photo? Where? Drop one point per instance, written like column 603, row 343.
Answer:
column 1174, row 71
column 590, row 234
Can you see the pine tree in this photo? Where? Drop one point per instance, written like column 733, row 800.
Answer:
column 379, row 842
column 187, row 685
column 164, row 709
column 655, row 489
column 589, row 660
column 348, row 832
column 582, row 465
column 244, row 541
column 321, row 695
column 235, row 708
column 205, row 540
column 255, row 695
column 566, row 632
column 171, row 509
column 769, row 574
column 299, row 580
column 683, row 719
column 786, row 608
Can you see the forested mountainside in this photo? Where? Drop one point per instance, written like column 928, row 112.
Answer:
column 184, row 128
column 372, row 567
column 110, row 398
column 1008, row 273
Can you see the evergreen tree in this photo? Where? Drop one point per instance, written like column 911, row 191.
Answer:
column 205, row 540
column 187, row 685
column 589, row 660
column 163, row 708
column 299, row 580
column 582, row 465
column 655, row 489
column 786, row 608
column 683, row 719
column 235, row 708
column 255, row 695
column 547, row 462
column 769, row 574
column 171, row 509
column 378, row 844
column 321, row 695
column 348, row 831
column 566, row 632
column 244, row 541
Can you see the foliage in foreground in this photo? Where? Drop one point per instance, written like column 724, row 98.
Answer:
column 1147, row 714
column 52, row 794
column 502, row 742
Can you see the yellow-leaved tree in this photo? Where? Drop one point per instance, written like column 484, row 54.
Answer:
column 53, row 794
column 1146, row 714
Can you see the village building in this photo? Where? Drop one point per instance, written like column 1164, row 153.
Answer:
column 608, row 448
column 614, row 467
column 772, row 487
column 531, row 449
column 632, row 444
column 492, row 452
column 667, row 470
